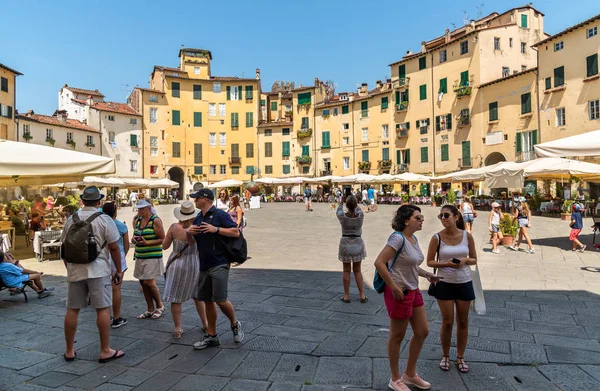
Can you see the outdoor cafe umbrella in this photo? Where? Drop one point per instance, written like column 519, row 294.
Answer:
column 584, row 144
column 32, row 164
column 226, row 183
column 412, row 177
column 161, row 183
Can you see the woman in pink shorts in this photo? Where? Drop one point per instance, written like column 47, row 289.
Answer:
column 398, row 265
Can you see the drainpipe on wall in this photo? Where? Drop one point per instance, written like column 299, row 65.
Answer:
column 17, row 123
column 315, row 140
column 15, row 108
column 140, row 97
column 353, row 160
column 537, row 94
column 433, row 97
column 101, row 134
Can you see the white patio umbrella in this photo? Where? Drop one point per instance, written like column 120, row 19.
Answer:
column 412, row 177
column 102, row 182
column 226, row 183
column 162, row 183
column 385, row 178
column 32, row 164
column 266, row 180
column 583, row 144
column 134, row 183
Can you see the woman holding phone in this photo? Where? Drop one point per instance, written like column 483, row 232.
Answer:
column 398, row 265
column 455, row 249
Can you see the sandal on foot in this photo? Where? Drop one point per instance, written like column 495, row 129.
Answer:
column 364, row 299
column 145, row 315
column 462, row 367
column 445, row 363
column 69, row 359
column 345, row 300
column 158, row 313
column 113, row 357
column 177, row 333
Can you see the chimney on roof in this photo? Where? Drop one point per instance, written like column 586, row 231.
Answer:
column 378, row 84
column 448, row 37
column 61, row 115
column 30, row 112
column 409, row 53
column 316, row 81
column 363, row 90
column 90, row 100
column 257, row 73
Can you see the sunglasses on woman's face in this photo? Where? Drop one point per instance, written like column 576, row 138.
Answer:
column 445, row 215
column 420, row 218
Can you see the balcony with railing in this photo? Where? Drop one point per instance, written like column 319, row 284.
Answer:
column 304, row 133
column 400, row 168
column 384, row 164
column 465, row 162
column 462, row 91
column 525, row 156
column 326, row 172
column 235, row 161
column 304, row 160
column 402, row 106
column 463, row 120
column 364, row 166
column 401, row 133
column 400, row 82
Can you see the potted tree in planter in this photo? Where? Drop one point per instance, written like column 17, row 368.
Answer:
column 509, row 228
column 567, row 207
column 404, row 198
column 437, row 200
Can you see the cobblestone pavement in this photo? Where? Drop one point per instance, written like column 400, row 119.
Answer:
column 541, row 331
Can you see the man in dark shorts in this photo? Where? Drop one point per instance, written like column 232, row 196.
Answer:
column 214, row 265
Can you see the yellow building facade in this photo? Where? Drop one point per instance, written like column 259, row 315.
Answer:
column 8, row 98
column 198, row 127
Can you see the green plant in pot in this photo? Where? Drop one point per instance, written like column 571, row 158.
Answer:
column 566, row 209
column 509, row 228
column 437, row 200
column 404, row 198
column 451, row 196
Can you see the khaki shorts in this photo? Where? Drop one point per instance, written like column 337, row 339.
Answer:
column 148, row 269
column 97, row 292
column 212, row 285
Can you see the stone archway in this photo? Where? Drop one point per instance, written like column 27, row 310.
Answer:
column 176, row 174
column 493, row 158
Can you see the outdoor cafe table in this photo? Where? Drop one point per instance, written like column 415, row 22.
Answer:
column 12, row 233
column 37, row 242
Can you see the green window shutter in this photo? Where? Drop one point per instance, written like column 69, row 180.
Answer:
column 235, row 150
column 464, row 78
column 197, row 119
column 305, row 151
column 559, row 76
column 286, row 168
column 417, row 124
column 407, row 156
column 526, row 103
column 406, row 95
column 197, row 91
column 407, row 125
column 518, row 142
column 365, row 155
column 304, row 123
column 384, row 102
column 445, row 156
column 437, row 123
column 364, row 105
column 273, row 106
column 422, row 62
column 397, row 97
column 534, row 139
column 548, row 83
column 448, row 121
column 263, row 102
column 398, row 156
column 423, row 92
column 524, row 21
column 249, row 120
column 385, row 154
column 240, row 91
column 249, row 92
column 175, row 90
column 466, row 151
column 228, row 93
column 493, row 111
column 285, row 147
column 176, row 120
column 234, row 120
column 402, row 71
column 345, row 109
column 304, row 98
column 133, row 140
column 197, row 170
column 592, row 65
column 444, row 85
column 325, row 140
column 197, row 153
column 424, row 154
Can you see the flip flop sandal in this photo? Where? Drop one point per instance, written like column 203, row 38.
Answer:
column 445, row 363
column 462, row 367
column 345, row 300
column 364, row 300
column 111, row 358
column 69, row 359
column 145, row 315
column 158, row 313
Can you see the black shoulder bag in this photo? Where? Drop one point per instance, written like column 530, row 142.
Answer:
column 431, row 289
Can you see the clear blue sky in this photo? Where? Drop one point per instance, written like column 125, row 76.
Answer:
column 113, row 45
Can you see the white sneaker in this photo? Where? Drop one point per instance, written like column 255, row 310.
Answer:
column 416, row 381
column 496, row 251
column 398, row 385
column 582, row 249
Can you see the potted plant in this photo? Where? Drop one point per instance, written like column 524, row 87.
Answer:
column 304, row 133
column 27, row 136
column 451, row 196
column 437, row 200
column 304, row 159
column 567, row 207
column 385, row 164
column 50, row 141
column 72, row 143
column 404, row 198
column 509, row 228
column 364, row 166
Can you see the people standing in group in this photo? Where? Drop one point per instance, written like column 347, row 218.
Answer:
column 148, row 235
column 210, row 224
column 110, row 209
column 399, row 266
column 455, row 251
column 91, row 281
column 308, row 199
column 523, row 217
column 247, row 196
column 352, row 249
column 576, row 227
column 223, row 201
column 183, row 267
column 468, row 213
column 494, row 221
column 235, row 212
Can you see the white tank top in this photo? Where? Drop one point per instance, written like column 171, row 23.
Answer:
column 447, row 252
column 466, row 208
column 495, row 218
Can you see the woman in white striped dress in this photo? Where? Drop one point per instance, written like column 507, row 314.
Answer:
column 183, row 267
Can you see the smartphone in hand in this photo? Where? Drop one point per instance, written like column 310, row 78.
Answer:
column 455, row 260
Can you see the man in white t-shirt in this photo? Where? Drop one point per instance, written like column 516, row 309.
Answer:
column 365, row 197
column 92, row 281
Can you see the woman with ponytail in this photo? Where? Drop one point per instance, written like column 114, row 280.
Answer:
column 352, row 247
column 452, row 251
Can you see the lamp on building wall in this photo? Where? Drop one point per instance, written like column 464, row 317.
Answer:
column 480, row 159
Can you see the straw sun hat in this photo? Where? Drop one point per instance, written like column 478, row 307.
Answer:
column 186, row 211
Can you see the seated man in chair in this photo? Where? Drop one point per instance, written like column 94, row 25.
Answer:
column 14, row 276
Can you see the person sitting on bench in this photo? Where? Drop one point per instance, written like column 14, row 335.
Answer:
column 15, row 277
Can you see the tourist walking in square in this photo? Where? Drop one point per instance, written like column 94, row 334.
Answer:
column 110, row 209
column 183, row 267
column 209, row 225
column 308, row 198
column 352, row 248
column 235, row 212
column 223, row 201
column 90, row 240
column 455, row 251
column 576, row 227
column 148, row 235
column 523, row 217
column 399, row 266
column 468, row 214
column 494, row 221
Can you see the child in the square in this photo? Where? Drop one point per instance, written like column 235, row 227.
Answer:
column 576, row 227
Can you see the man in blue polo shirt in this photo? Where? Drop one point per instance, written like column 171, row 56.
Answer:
column 214, row 266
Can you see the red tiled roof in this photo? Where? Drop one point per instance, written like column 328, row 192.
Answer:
column 230, row 78
column 150, row 90
column 568, row 30
column 275, row 124
column 168, row 69
column 11, row 70
column 303, row 88
column 54, row 121
column 113, row 107
column 84, row 91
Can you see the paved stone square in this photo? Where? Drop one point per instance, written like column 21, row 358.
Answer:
column 541, row 331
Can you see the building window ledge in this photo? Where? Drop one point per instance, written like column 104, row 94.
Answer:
column 526, row 115
column 590, row 78
column 496, row 121
column 556, row 89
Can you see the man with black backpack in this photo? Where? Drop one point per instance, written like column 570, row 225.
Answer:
column 209, row 227
column 89, row 240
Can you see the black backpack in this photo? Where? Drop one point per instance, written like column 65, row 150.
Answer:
column 79, row 245
column 234, row 249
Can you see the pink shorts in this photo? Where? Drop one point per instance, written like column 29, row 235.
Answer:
column 574, row 234
column 402, row 309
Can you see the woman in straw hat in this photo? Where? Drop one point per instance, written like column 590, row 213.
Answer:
column 183, row 266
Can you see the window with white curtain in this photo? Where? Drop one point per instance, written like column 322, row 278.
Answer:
column 365, row 134
column 222, row 110
column 153, row 115
column 385, row 131
column 212, row 139
column 222, row 139
column 212, row 109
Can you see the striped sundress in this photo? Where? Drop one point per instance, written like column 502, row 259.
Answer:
column 182, row 276
column 147, row 232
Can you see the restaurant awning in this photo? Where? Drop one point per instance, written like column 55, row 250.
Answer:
column 583, row 144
